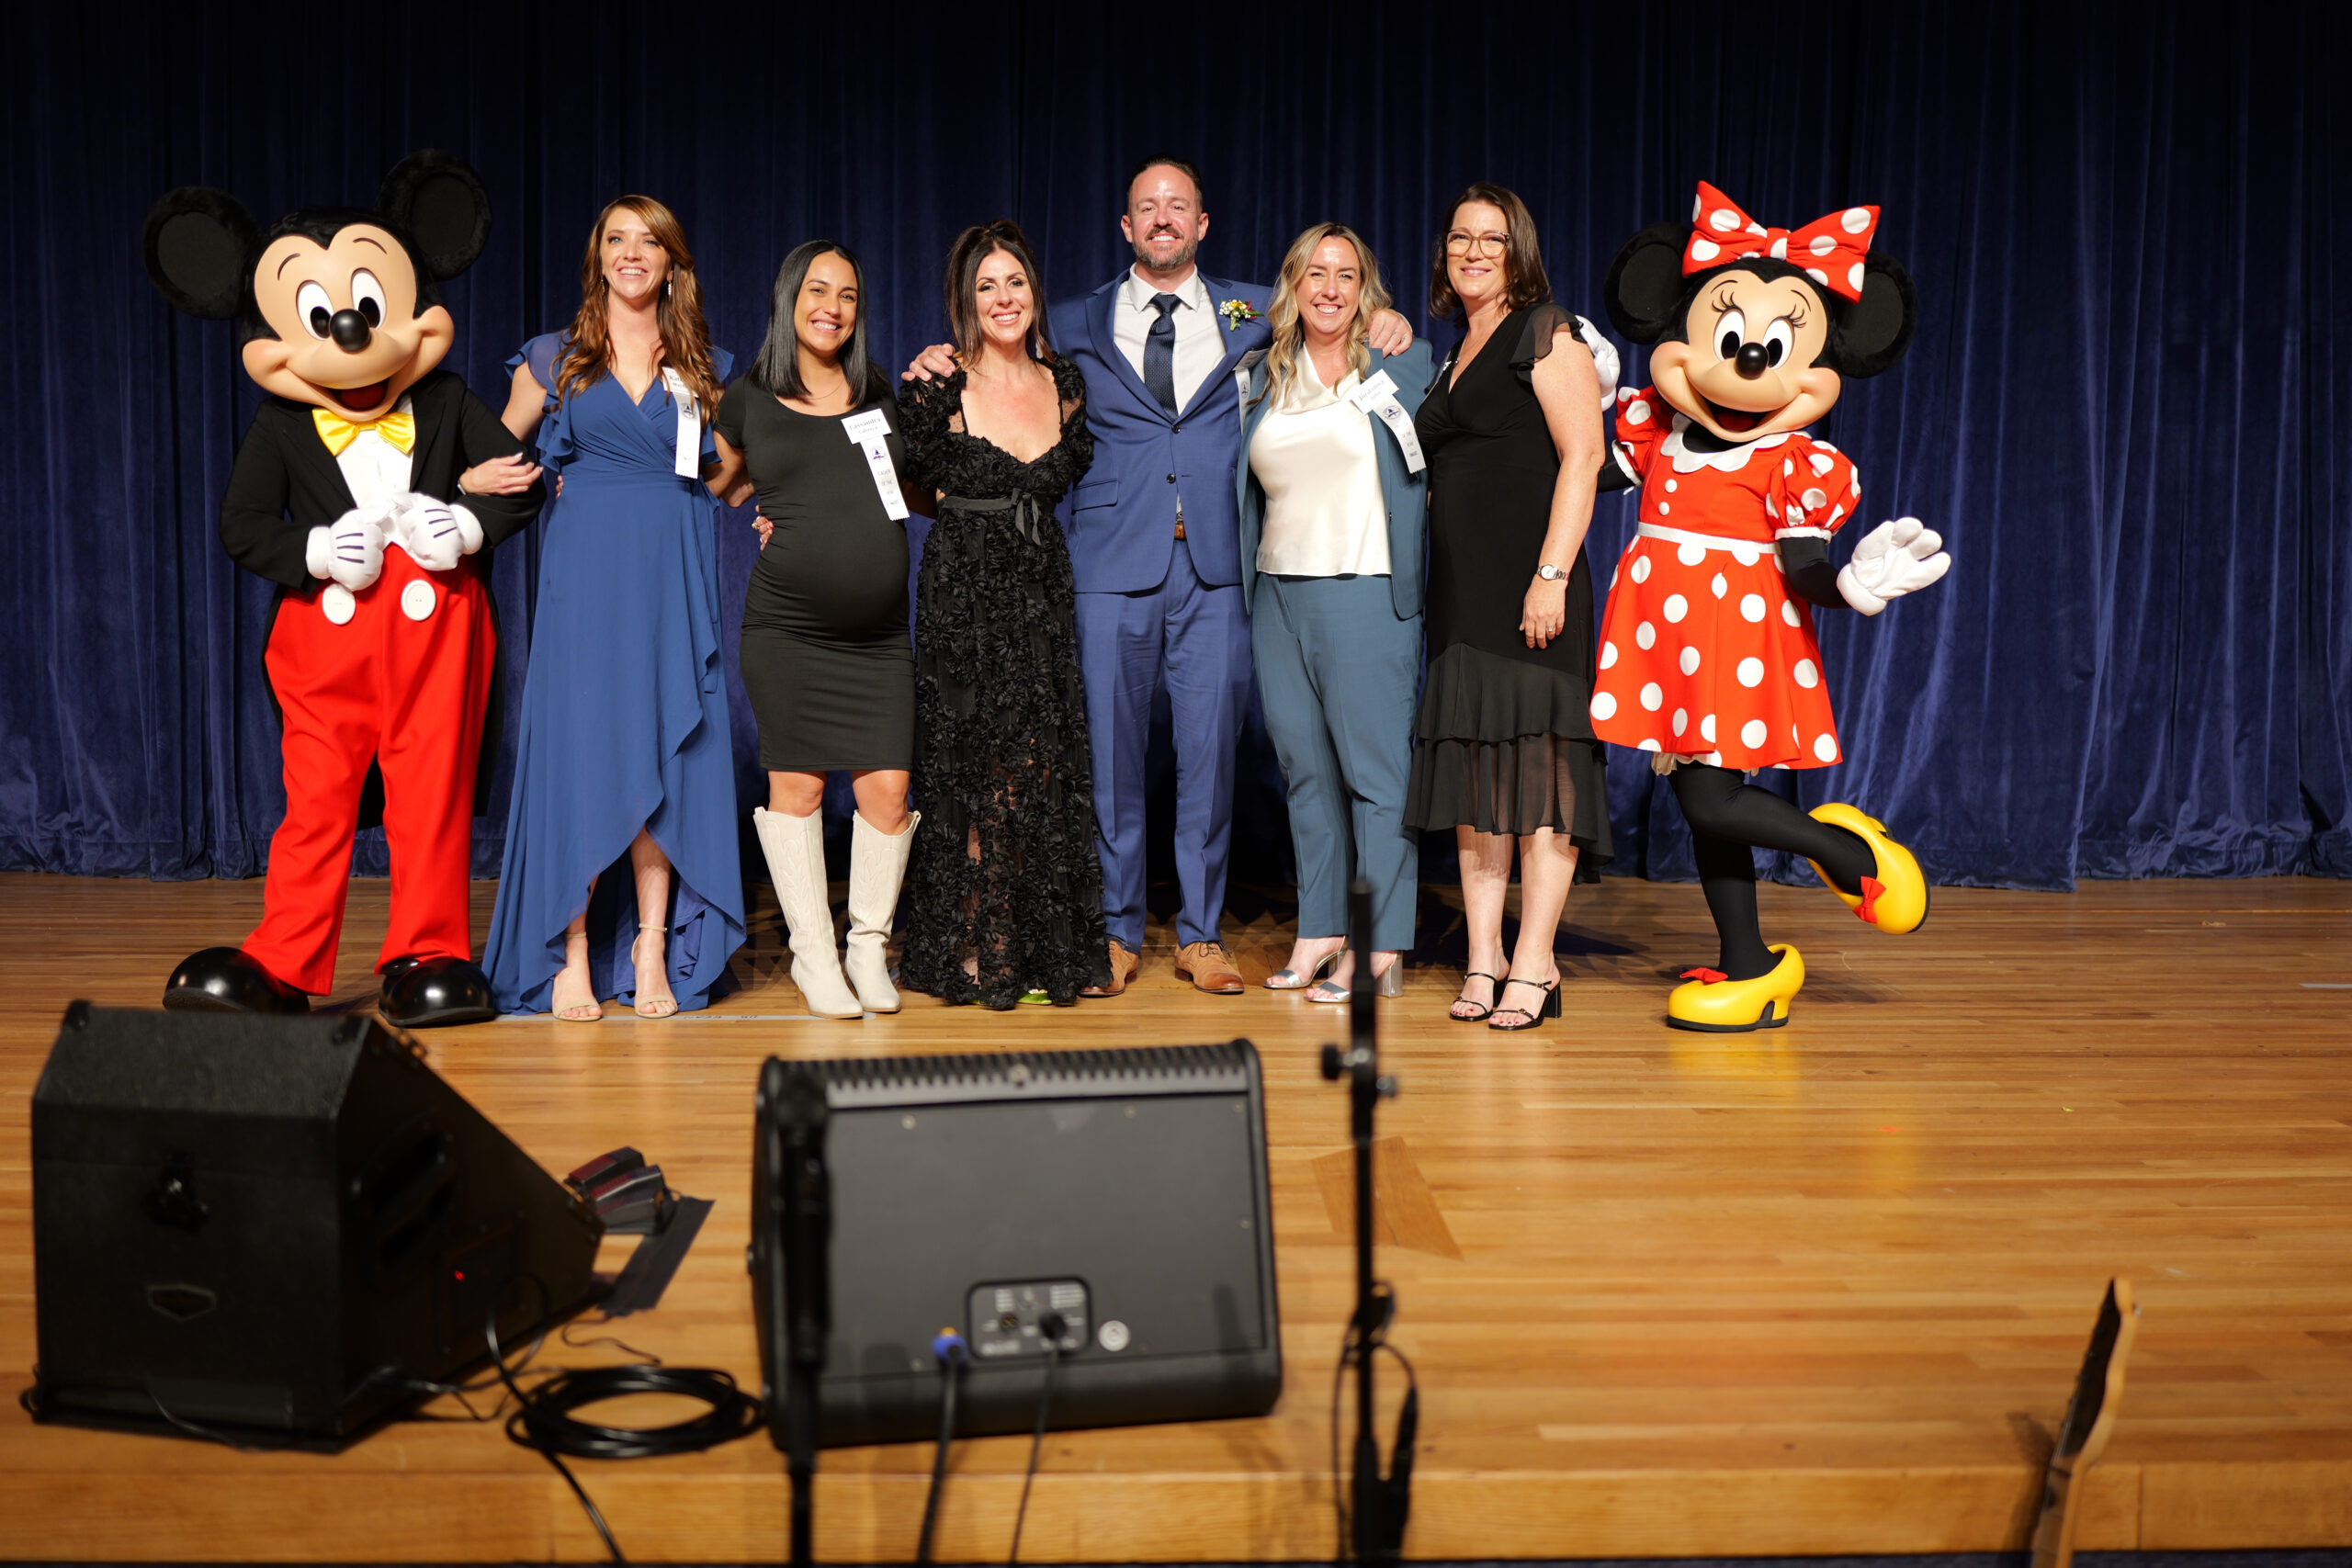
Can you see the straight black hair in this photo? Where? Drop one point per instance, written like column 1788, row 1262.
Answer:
column 777, row 369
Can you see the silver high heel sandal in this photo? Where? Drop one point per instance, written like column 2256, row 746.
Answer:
column 1389, row 982
column 1292, row 980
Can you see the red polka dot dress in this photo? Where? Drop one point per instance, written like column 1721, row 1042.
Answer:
column 1704, row 655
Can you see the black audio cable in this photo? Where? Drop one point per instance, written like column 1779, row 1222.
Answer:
column 543, row 1421
column 1050, row 1328
column 1399, row 1481
column 949, row 1349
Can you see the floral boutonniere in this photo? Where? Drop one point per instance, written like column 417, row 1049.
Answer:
column 1236, row 311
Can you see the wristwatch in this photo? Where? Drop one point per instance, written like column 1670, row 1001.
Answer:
column 1549, row 572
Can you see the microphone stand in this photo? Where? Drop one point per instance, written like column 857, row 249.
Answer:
column 808, row 1292
column 1380, row 1505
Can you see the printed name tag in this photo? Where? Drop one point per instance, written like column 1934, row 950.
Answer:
column 689, row 464
column 1377, row 398
column 871, row 432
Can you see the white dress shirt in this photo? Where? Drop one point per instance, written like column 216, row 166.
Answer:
column 1200, row 336
column 1315, row 460
column 376, row 471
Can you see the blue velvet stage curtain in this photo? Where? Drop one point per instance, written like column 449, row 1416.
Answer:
column 2129, row 406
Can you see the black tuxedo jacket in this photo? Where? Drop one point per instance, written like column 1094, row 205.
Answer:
column 285, row 483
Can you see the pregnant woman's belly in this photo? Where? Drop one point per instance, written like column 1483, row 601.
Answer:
column 839, row 583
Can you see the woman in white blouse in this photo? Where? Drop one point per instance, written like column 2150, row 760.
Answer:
column 1333, row 535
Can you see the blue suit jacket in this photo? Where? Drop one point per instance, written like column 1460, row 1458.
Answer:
column 1405, row 492
column 1123, row 517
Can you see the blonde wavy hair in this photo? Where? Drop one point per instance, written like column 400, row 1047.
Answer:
column 1290, row 334
column 686, row 336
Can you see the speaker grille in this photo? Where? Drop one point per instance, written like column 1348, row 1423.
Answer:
column 879, row 1082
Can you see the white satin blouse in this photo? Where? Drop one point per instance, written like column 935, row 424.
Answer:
column 1314, row 457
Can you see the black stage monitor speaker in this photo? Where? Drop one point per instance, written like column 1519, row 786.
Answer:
column 269, row 1228
column 1124, row 1191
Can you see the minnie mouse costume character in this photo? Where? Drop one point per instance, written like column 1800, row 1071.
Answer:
column 1708, row 659
column 382, row 638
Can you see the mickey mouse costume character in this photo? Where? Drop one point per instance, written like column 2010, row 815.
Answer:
column 382, row 639
column 1708, row 659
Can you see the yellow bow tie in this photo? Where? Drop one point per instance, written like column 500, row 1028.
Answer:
column 400, row 429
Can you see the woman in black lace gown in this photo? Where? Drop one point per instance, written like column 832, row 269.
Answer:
column 1006, row 892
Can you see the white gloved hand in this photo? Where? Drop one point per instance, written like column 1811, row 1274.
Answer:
column 1605, row 360
column 1892, row 559
column 350, row 550
column 434, row 532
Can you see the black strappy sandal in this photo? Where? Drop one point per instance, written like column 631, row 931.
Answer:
column 1482, row 1014
column 1551, row 1008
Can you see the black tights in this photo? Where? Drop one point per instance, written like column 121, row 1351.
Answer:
column 1729, row 819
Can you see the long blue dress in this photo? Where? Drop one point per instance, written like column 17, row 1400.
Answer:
column 624, row 720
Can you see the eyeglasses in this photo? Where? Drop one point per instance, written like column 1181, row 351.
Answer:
column 1462, row 243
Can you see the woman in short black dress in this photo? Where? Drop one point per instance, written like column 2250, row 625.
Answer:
column 1007, row 893
column 1505, row 745
column 825, row 655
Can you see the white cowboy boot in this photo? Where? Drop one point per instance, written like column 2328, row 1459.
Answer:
column 795, row 847
column 877, row 864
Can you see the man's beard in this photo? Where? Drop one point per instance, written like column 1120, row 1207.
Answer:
column 1184, row 258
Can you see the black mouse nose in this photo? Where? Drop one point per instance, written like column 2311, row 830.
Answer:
column 1750, row 363
column 351, row 335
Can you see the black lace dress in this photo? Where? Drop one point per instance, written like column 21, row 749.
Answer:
column 1001, row 744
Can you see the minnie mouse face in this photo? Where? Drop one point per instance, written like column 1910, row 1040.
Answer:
column 347, row 329
column 1757, row 329
column 1746, row 362
column 339, row 305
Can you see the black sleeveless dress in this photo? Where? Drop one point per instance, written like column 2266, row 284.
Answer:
column 1000, row 716
column 1504, row 739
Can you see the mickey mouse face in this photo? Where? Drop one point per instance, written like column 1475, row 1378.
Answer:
column 338, row 304
column 347, row 333
column 1748, row 363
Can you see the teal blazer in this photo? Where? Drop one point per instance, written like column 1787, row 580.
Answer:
column 1405, row 492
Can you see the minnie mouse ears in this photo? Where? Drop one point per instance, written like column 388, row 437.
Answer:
column 201, row 244
column 1648, row 295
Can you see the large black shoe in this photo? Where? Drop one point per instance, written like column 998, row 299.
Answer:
column 223, row 979
column 434, row 993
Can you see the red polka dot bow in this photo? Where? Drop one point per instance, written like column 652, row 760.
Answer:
column 1829, row 249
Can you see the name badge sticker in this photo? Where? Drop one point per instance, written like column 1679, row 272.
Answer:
column 1377, row 398
column 870, row 432
column 689, row 463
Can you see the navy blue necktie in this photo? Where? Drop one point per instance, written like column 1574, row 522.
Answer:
column 1160, row 352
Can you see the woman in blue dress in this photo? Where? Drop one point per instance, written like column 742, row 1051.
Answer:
column 624, row 752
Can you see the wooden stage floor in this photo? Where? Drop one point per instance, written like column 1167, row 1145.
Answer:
column 1815, row 1290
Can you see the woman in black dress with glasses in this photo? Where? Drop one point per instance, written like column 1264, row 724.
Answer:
column 1505, row 755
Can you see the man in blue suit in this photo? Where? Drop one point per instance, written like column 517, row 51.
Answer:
column 1153, row 544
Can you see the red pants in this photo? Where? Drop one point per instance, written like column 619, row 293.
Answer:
column 410, row 695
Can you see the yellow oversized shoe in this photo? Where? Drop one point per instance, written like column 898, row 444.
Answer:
column 1895, row 900
column 1734, row 1007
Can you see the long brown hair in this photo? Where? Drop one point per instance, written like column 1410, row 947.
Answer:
column 1522, row 262
column 972, row 247
column 686, row 336
column 1281, row 359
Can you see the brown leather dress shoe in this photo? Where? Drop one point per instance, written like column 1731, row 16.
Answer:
column 1209, row 967
column 1124, row 964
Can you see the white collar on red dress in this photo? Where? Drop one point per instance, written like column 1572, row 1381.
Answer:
column 1730, row 461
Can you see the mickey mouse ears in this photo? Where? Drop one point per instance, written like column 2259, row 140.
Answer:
column 441, row 202
column 199, row 243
